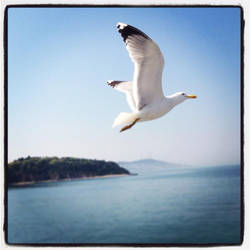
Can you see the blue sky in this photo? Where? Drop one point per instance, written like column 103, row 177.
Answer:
column 59, row 104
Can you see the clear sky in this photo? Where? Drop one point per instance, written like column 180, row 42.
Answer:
column 60, row 105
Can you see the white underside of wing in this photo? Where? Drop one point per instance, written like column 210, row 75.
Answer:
column 125, row 87
column 148, row 65
column 147, row 87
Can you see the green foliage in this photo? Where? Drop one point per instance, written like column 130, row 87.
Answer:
column 54, row 168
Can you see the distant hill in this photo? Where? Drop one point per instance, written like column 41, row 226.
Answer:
column 148, row 166
column 35, row 169
column 148, row 162
column 152, row 167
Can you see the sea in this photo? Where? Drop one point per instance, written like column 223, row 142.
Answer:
column 158, row 206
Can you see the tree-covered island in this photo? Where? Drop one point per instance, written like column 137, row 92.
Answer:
column 37, row 169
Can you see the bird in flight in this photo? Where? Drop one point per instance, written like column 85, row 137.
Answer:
column 144, row 93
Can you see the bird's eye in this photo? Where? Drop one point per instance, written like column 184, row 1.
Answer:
column 183, row 93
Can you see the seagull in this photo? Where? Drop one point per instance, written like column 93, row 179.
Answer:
column 144, row 93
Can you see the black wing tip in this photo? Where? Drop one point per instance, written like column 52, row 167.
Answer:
column 127, row 30
column 112, row 83
column 121, row 25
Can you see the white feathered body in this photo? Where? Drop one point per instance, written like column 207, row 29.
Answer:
column 149, row 112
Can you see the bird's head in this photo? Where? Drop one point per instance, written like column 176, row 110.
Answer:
column 181, row 96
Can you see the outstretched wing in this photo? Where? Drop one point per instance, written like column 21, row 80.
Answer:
column 125, row 87
column 148, row 62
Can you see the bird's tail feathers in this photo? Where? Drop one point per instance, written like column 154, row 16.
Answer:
column 124, row 118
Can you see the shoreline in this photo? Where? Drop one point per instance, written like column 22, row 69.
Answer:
column 16, row 184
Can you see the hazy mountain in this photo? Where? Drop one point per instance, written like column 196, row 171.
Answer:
column 148, row 165
column 152, row 166
column 148, row 162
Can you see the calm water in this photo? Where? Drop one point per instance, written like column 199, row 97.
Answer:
column 171, row 206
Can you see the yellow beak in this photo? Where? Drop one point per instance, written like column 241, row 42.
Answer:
column 192, row 96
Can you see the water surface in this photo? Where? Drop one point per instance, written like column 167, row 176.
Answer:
column 170, row 206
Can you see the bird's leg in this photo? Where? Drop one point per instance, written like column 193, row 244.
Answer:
column 130, row 125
